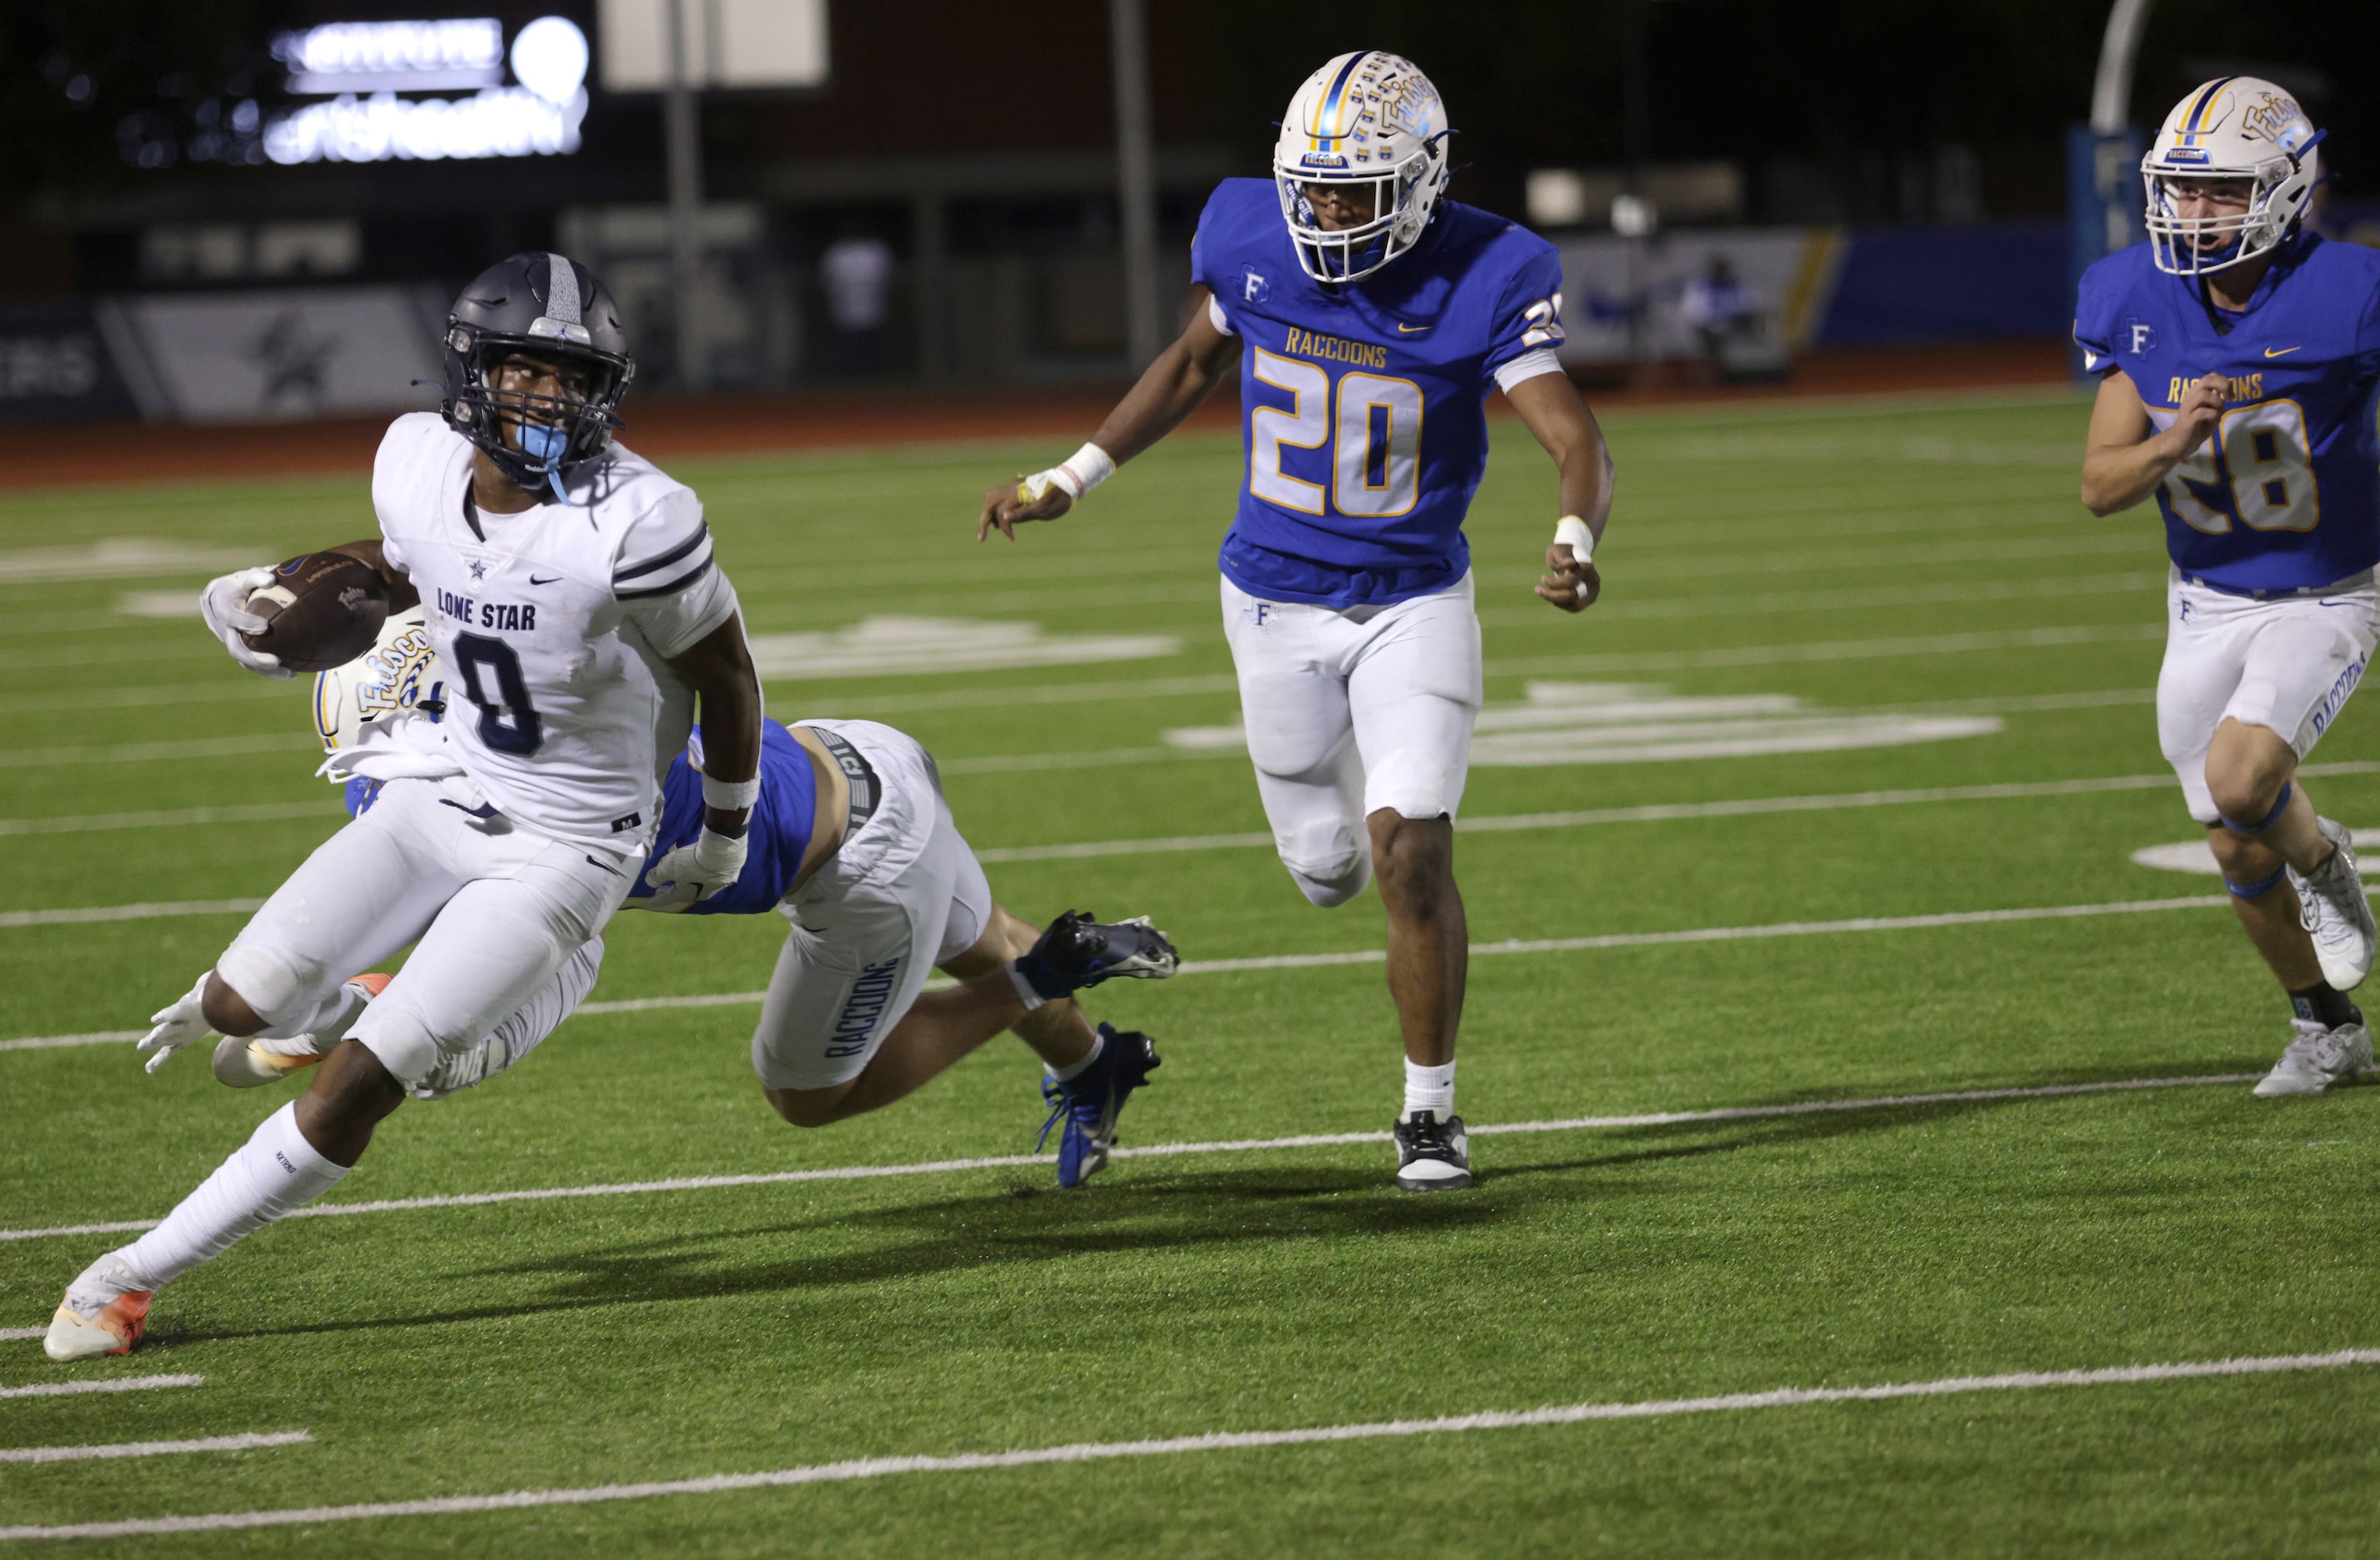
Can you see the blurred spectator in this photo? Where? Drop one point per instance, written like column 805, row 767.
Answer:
column 1716, row 306
column 857, row 271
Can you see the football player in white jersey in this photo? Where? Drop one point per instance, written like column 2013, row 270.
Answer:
column 571, row 588
column 852, row 841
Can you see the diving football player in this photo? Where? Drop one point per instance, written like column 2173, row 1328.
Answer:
column 1370, row 318
column 2238, row 354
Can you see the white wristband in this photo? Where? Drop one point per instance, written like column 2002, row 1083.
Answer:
column 731, row 795
column 1079, row 473
column 1571, row 533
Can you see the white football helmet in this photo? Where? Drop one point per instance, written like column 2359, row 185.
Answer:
column 399, row 675
column 1371, row 122
column 2235, row 126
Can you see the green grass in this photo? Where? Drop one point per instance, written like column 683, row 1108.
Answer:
column 569, row 1342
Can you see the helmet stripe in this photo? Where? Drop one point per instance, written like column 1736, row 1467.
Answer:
column 2193, row 124
column 1330, row 113
column 561, row 291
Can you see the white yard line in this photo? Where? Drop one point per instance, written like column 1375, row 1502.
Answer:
column 1369, row 955
column 1834, row 650
column 110, row 1450
column 1157, row 1151
column 178, row 818
column 153, row 911
column 19, row 1334
column 105, row 1384
column 143, row 752
column 1213, row 1441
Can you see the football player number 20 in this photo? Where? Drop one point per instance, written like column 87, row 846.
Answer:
column 508, row 722
column 1375, row 439
column 2264, row 460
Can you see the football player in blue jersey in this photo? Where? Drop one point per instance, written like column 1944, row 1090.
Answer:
column 1369, row 318
column 2239, row 356
column 851, row 841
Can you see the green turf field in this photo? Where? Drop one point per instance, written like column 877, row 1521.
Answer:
column 1892, row 567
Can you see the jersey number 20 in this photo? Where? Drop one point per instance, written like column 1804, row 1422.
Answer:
column 1375, row 439
column 508, row 722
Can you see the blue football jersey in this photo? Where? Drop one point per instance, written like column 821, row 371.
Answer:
column 2286, row 494
column 777, row 837
column 1363, row 404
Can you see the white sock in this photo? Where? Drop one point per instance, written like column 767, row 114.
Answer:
column 327, row 1020
column 1429, row 1089
column 274, row 1173
column 1068, row 1074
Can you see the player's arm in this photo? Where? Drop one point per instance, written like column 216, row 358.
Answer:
column 1171, row 387
column 1553, row 410
column 2125, row 456
column 224, row 605
column 717, row 667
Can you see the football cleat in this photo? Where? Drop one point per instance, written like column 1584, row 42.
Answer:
column 2317, row 1058
column 2335, row 912
column 1090, row 1102
column 251, row 1062
column 1076, row 952
column 99, row 1316
column 1432, row 1155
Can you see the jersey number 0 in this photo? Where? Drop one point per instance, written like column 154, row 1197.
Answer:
column 1375, row 439
column 508, row 724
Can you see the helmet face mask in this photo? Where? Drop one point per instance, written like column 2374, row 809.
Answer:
column 536, row 365
column 1370, row 125
column 2247, row 140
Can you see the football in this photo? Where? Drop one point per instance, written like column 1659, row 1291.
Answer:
column 322, row 610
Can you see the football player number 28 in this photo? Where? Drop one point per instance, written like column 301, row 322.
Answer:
column 508, row 721
column 1374, row 438
column 2264, row 460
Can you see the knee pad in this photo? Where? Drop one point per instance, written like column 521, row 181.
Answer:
column 275, row 989
column 1329, row 860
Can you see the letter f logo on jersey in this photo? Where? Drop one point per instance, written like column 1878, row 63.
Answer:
column 2139, row 338
column 1254, row 288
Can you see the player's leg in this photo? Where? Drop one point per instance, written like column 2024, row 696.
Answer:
column 1414, row 693
column 1293, row 701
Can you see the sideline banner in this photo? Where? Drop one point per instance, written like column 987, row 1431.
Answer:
column 283, row 355
column 54, row 365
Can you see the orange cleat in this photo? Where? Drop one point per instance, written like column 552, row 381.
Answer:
column 112, row 1329
column 244, row 1062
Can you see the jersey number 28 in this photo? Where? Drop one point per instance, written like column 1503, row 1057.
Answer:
column 508, row 722
column 1374, row 440
column 2265, row 459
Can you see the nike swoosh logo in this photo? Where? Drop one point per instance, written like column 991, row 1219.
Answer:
column 2281, row 351
column 1404, row 329
column 535, row 580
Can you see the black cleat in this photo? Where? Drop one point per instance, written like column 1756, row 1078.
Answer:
column 1432, row 1155
column 1076, row 952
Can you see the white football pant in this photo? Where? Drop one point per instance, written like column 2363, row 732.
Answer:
column 903, row 894
column 1348, row 711
column 2287, row 665
column 497, row 909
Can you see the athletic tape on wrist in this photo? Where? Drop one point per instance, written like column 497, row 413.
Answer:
column 1079, row 473
column 731, row 795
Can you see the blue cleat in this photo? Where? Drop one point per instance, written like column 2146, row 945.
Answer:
column 1090, row 1101
column 1076, row 952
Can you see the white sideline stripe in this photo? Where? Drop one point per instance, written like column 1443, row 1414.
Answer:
column 94, row 823
column 96, row 1037
column 19, row 1334
column 1157, row 1151
column 1741, row 807
column 128, row 912
column 1375, row 956
column 117, row 1384
column 247, row 1443
column 1216, row 1440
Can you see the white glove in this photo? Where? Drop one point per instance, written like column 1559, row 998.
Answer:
column 224, row 604
column 694, row 872
column 176, row 1027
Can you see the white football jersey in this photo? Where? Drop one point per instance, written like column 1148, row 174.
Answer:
column 553, row 625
